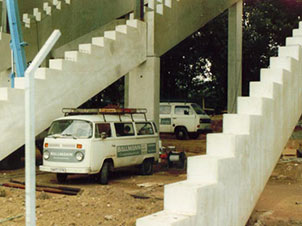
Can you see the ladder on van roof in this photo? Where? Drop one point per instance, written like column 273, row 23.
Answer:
column 106, row 111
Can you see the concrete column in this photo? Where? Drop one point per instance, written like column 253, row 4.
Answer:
column 143, row 83
column 144, row 87
column 4, row 17
column 126, row 91
column 139, row 10
column 234, row 55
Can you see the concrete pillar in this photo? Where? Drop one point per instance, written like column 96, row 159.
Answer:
column 143, row 83
column 126, row 91
column 139, row 10
column 4, row 17
column 144, row 87
column 234, row 55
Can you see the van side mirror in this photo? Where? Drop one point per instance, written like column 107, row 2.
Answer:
column 103, row 135
column 186, row 112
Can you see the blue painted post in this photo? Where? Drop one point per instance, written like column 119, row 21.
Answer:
column 17, row 43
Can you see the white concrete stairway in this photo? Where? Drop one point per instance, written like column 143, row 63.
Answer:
column 71, row 81
column 223, row 186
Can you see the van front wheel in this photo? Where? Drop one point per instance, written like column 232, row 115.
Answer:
column 103, row 174
column 147, row 167
column 181, row 133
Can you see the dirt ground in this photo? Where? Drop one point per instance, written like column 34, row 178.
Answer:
column 130, row 195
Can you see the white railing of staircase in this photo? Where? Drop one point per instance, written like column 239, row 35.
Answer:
column 30, row 158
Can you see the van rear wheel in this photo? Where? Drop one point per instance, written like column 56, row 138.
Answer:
column 147, row 167
column 181, row 133
column 104, row 173
column 61, row 177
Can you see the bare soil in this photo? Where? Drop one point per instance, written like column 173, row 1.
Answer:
column 129, row 195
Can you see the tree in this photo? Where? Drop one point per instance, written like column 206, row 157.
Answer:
column 197, row 67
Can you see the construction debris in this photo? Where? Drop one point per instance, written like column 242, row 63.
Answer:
column 10, row 218
column 44, row 188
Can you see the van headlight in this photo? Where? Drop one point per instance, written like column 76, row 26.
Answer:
column 79, row 156
column 46, row 155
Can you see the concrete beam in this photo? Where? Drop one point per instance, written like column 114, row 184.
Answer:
column 234, row 55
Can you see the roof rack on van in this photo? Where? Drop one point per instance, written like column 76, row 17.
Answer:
column 104, row 111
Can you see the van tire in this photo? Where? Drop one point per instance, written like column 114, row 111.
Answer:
column 181, row 133
column 147, row 167
column 104, row 173
column 61, row 177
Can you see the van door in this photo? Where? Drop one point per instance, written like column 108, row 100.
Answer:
column 101, row 147
column 127, row 147
column 183, row 115
column 165, row 120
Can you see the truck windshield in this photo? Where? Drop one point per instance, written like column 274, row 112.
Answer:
column 198, row 109
column 71, row 129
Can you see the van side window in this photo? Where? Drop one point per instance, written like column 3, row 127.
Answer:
column 102, row 128
column 182, row 110
column 144, row 128
column 124, row 129
column 165, row 109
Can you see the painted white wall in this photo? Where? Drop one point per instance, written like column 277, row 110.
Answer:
column 71, row 81
column 223, row 186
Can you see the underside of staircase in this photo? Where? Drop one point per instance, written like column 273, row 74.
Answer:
column 92, row 67
column 71, row 81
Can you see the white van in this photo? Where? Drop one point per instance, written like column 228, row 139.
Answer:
column 96, row 141
column 183, row 119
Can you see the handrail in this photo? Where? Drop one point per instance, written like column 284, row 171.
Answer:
column 30, row 157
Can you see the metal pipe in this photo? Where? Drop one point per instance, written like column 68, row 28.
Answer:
column 30, row 158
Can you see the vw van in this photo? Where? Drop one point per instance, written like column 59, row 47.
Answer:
column 96, row 141
column 183, row 119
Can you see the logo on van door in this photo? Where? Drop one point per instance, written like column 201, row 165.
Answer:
column 128, row 150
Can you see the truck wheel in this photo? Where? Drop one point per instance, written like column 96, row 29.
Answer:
column 299, row 153
column 181, row 133
column 61, row 177
column 193, row 135
column 103, row 174
column 147, row 167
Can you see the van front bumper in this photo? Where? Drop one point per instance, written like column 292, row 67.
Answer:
column 54, row 169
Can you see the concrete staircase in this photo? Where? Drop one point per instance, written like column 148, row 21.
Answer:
column 47, row 10
column 223, row 186
column 71, row 81
column 112, row 56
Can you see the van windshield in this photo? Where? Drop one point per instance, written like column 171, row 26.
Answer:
column 71, row 129
column 198, row 109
